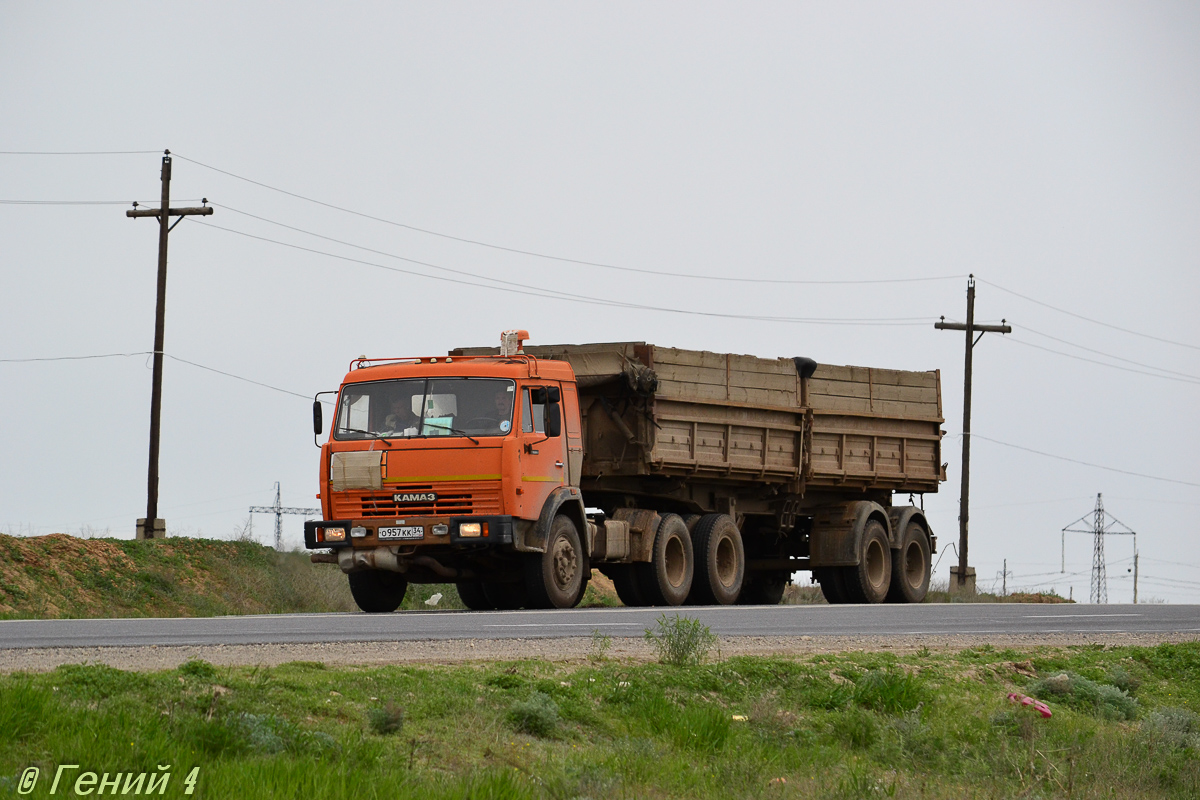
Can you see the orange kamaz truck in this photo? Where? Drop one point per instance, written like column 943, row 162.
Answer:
column 684, row 476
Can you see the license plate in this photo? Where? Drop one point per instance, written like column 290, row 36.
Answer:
column 406, row 532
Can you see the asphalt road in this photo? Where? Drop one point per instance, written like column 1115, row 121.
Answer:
column 935, row 619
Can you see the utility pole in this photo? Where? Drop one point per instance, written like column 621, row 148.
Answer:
column 1004, row 590
column 963, row 577
column 1100, row 528
column 278, row 510
column 1135, row 570
column 152, row 527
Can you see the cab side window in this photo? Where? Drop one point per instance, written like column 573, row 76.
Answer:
column 533, row 416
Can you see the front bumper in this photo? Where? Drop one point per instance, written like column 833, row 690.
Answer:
column 495, row 530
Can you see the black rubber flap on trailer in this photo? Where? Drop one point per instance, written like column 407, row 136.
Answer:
column 805, row 366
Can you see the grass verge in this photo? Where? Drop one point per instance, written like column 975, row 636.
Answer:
column 928, row 725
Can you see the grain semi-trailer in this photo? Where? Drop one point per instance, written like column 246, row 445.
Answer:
column 684, row 476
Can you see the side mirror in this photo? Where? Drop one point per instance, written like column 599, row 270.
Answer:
column 537, row 395
column 553, row 419
column 318, row 423
column 553, row 394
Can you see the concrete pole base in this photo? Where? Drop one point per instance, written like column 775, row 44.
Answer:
column 964, row 589
column 156, row 531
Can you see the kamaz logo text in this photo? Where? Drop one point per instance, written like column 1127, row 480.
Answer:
column 414, row 497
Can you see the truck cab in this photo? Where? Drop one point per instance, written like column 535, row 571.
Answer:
column 455, row 469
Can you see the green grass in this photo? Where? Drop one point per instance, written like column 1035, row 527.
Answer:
column 928, row 725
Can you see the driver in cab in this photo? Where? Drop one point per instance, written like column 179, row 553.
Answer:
column 400, row 419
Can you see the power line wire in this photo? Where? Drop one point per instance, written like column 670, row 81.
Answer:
column 564, row 259
column 1023, row 328
column 75, row 358
column 1083, row 463
column 150, row 353
column 552, row 295
column 1089, row 319
column 236, row 377
column 149, row 203
column 524, row 287
column 1101, row 363
column 78, row 152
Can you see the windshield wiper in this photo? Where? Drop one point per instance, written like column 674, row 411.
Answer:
column 372, row 434
column 452, row 430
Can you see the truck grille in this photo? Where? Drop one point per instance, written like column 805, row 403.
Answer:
column 453, row 499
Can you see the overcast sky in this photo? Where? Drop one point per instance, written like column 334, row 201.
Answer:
column 1052, row 149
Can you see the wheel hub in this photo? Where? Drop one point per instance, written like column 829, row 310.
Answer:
column 566, row 563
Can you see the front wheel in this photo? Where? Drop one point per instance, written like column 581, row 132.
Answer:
column 555, row 578
column 378, row 591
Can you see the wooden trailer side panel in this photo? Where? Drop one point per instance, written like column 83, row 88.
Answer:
column 740, row 418
column 875, row 427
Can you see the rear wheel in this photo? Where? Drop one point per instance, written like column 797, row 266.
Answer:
column 377, row 591
column 720, row 561
column 667, row 579
column 868, row 581
column 830, row 579
column 910, row 566
column 473, row 596
column 764, row 589
column 555, row 578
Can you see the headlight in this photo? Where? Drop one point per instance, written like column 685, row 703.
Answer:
column 335, row 534
column 470, row 529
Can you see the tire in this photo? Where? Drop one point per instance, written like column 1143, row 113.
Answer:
column 555, row 578
column 506, row 596
column 473, row 596
column 667, row 579
column 764, row 589
column 868, row 581
column 830, row 579
column 377, row 591
column 629, row 590
column 910, row 566
column 720, row 561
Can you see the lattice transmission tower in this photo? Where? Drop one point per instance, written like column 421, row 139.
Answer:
column 1103, row 524
column 279, row 510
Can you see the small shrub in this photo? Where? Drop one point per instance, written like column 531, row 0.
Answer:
column 1178, row 728
column 262, row 733
column 600, row 644
column 1100, row 699
column 890, row 691
column 386, row 719
column 198, row 668
column 1124, row 680
column 537, row 716
column 681, row 641
column 856, row 728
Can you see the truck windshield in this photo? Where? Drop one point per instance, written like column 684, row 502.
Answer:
column 426, row 407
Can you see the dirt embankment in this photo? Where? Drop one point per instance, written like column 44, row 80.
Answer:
column 60, row 576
